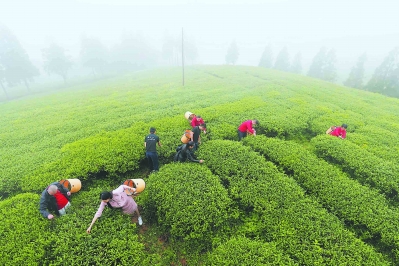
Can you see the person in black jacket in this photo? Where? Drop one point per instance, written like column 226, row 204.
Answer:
column 195, row 135
column 55, row 198
column 185, row 153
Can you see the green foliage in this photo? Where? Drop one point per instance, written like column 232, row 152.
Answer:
column 367, row 168
column 189, row 203
column 359, row 206
column 108, row 153
column 244, row 251
column 30, row 239
column 282, row 60
column 280, row 212
column 96, row 133
column 356, row 76
column 385, row 77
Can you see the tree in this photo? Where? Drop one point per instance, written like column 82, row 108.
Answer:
column 190, row 50
column 329, row 69
column 55, row 61
column 266, row 59
column 168, row 50
column 296, row 66
column 355, row 78
column 2, row 79
column 232, row 53
column 134, row 52
column 15, row 61
column 323, row 65
column 94, row 55
column 385, row 79
column 282, row 60
column 316, row 68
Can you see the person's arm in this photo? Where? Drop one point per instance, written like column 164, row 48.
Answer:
column 159, row 142
column 132, row 189
column 43, row 207
column 190, row 158
column 96, row 216
column 63, row 189
column 343, row 134
column 250, row 129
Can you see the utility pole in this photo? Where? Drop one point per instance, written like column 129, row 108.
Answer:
column 182, row 53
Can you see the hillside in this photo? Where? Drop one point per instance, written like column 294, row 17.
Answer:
column 290, row 196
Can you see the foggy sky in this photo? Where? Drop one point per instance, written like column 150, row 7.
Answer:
column 351, row 27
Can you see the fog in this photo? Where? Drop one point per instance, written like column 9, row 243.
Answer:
column 351, row 28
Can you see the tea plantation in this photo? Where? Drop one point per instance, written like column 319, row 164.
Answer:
column 292, row 195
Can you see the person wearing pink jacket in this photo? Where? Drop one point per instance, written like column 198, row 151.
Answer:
column 117, row 199
column 247, row 127
column 197, row 121
column 339, row 132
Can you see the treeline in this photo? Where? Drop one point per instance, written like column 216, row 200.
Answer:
column 323, row 66
column 95, row 59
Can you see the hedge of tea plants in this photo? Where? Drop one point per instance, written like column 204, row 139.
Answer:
column 361, row 208
column 189, row 204
column 301, row 207
column 251, row 252
column 274, row 208
column 29, row 239
column 360, row 164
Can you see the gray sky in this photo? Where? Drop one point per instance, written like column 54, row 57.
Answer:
column 351, row 27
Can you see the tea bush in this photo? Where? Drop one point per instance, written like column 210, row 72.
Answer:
column 362, row 165
column 30, row 239
column 244, row 251
column 361, row 208
column 190, row 204
column 274, row 208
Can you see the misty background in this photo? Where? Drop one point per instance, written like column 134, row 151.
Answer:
column 98, row 38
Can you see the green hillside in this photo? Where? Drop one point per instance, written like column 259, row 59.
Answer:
column 292, row 195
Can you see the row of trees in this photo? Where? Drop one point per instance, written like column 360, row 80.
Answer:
column 133, row 52
column 385, row 79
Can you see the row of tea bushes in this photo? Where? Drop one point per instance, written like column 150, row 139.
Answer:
column 29, row 239
column 245, row 251
column 364, row 210
column 118, row 152
column 34, row 130
column 380, row 142
column 274, row 208
column 189, row 205
column 107, row 153
column 360, row 164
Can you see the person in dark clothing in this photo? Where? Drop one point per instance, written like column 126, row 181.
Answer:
column 55, row 198
column 150, row 142
column 184, row 153
column 195, row 135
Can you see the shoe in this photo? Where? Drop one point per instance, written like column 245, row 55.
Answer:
column 140, row 220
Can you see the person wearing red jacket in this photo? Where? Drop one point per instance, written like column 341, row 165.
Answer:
column 247, row 127
column 339, row 132
column 197, row 121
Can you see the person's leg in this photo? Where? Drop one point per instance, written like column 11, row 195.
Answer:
column 195, row 147
column 140, row 220
column 155, row 161
column 150, row 163
column 241, row 135
column 63, row 210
